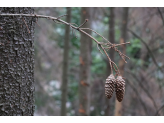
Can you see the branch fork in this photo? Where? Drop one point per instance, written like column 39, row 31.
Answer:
column 104, row 46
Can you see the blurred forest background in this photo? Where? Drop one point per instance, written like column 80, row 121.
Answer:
column 57, row 63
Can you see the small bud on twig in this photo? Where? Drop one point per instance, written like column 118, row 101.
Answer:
column 86, row 20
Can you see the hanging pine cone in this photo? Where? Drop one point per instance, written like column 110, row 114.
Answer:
column 109, row 86
column 120, row 88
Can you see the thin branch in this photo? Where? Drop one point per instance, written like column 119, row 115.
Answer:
column 89, row 36
column 159, row 110
column 73, row 32
column 61, row 16
column 122, row 43
column 78, row 28
column 74, row 24
column 37, row 23
column 86, row 20
column 58, row 22
column 51, row 18
column 141, row 85
column 111, row 62
column 139, row 97
column 121, row 54
column 96, row 33
column 161, row 15
column 99, row 48
column 149, row 51
column 113, row 45
column 26, row 25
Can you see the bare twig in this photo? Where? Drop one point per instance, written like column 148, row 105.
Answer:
column 37, row 22
column 111, row 62
column 61, row 16
column 26, row 25
column 99, row 48
column 113, row 45
column 97, row 34
column 139, row 97
column 58, row 22
column 159, row 110
column 51, row 18
column 78, row 28
column 145, row 90
column 73, row 32
column 121, row 54
column 74, row 24
column 147, row 47
column 161, row 15
column 122, row 43
column 86, row 20
column 54, row 19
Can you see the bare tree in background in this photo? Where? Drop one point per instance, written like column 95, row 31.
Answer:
column 118, row 105
column 65, row 64
column 111, row 53
column 16, row 63
column 85, row 61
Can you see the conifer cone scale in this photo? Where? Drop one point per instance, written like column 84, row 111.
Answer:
column 109, row 86
column 120, row 88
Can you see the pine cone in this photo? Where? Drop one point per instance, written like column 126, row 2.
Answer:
column 109, row 86
column 120, row 88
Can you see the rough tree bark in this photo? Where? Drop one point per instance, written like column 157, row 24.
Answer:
column 111, row 54
column 16, row 63
column 65, row 65
column 118, row 105
column 85, row 61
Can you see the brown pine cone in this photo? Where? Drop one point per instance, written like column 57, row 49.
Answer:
column 120, row 88
column 109, row 86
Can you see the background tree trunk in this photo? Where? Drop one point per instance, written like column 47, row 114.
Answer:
column 16, row 63
column 118, row 105
column 85, row 61
column 111, row 53
column 65, row 64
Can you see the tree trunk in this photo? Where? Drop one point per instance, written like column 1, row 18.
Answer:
column 111, row 54
column 118, row 105
column 16, row 63
column 65, row 65
column 85, row 61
